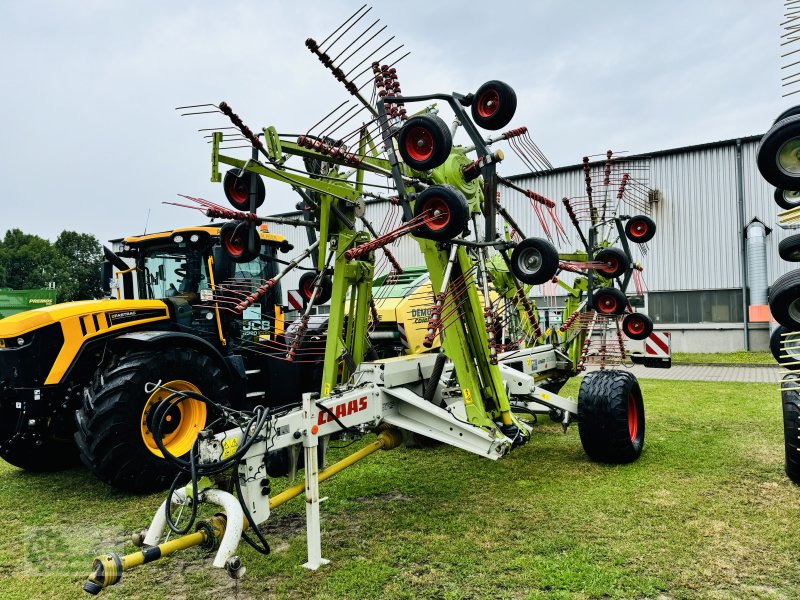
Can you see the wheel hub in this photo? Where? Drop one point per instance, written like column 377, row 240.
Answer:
column 531, row 261
column 181, row 424
column 788, row 157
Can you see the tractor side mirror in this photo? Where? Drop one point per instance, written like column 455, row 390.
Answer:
column 106, row 275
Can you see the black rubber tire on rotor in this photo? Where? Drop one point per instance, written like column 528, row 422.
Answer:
column 789, row 112
column 635, row 223
column 605, row 401
column 55, row 452
column 784, row 344
column 620, row 263
column 455, row 213
column 620, row 303
column 497, row 116
column 789, row 248
column 782, row 132
column 437, row 134
column 632, row 322
column 784, row 299
column 793, row 201
column 236, row 185
column 234, row 237
column 109, row 434
column 306, row 287
column 790, row 401
column 541, row 250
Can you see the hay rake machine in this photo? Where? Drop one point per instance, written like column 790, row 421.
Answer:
column 490, row 365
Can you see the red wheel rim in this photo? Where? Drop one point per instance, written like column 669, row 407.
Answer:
column 239, row 191
column 308, row 287
column 635, row 325
column 638, row 229
column 438, row 214
column 488, row 103
column 234, row 245
column 419, row 143
column 606, row 303
column 633, row 417
column 611, row 266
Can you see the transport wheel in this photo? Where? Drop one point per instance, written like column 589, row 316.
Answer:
column 609, row 301
column 236, row 185
column 787, row 199
column 306, row 287
column 494, row 105
column 115, row 425
column 789, row 248
column 424, row 142
column 785, row 346
column 784, row 299
column 791, row 431
column 778, row 155
column 534, row 261
column 611, row 417
column 445, row 212
column 234, row 237
column 637, row 326
column 53, row 451
column 640, row 229
column 789, row 112
column 616, row 262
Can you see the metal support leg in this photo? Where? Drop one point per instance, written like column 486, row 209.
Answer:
column 310, row 443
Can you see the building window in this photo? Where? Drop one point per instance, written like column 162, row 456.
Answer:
column 706, row 306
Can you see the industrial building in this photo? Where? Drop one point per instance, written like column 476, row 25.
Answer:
column 714, row 254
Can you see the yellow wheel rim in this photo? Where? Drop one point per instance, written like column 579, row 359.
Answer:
column 182, row 423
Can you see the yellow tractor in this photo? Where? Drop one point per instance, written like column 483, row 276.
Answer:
column 78, row 378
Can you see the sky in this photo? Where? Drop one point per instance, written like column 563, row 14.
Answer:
column 91, row 141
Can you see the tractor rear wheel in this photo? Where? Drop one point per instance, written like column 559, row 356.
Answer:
column 791, row 432
column 115, row 426
column 611, row 417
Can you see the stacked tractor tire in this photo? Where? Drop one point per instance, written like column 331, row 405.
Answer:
column 779, row 163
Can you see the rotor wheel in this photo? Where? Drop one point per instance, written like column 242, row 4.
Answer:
column 306, row 287
column 790, row 401
column 611, row 421
column 493, row 105
column 424, row 142
column 234, row 239
column 778, row 155
column 534, row 261
column 787, row 199
column 789, row 112
column 640, row 229
column 609, row 301
column 637, row 326
column 236, row 185
column 789, row 248
column 784, row 344
column 115, row 426
column 784, row 299
column 444, row 213
column 615, row 260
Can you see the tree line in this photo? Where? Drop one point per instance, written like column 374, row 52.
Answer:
column 72, row 262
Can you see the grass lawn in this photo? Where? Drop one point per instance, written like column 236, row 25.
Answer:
column 705, row 513
column 749, row 358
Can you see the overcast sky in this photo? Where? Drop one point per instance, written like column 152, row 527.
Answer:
column 90, row 140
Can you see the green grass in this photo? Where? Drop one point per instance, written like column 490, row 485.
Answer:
column 707, row 512
column 746, row 358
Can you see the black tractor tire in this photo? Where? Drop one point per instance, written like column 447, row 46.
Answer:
column 787, row 199
column 534, row 261
column 236, row 185
column 425, row 142
column 789, row 248
column 778, row 155
column 306, row 287
column 110, row 427
column 637, row 326
column 784, row 299
column 234, row 238
column 53, row 451
column 616, row 262
column 784, row 344
column 609, row 301
column 611, row 418
column 789, row 112
column 790, row 401
column 494, row 105
column 445, row 211
column 640, row 229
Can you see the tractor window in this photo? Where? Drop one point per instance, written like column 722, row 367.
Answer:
column 167, row 272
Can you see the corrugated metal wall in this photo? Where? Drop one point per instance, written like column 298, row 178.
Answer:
column 697, row 244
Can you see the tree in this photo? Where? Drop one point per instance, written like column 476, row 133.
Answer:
column 80, row 257
column 26, row 261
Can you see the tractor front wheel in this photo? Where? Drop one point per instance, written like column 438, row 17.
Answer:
column 115, row 426
column 611, row 417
